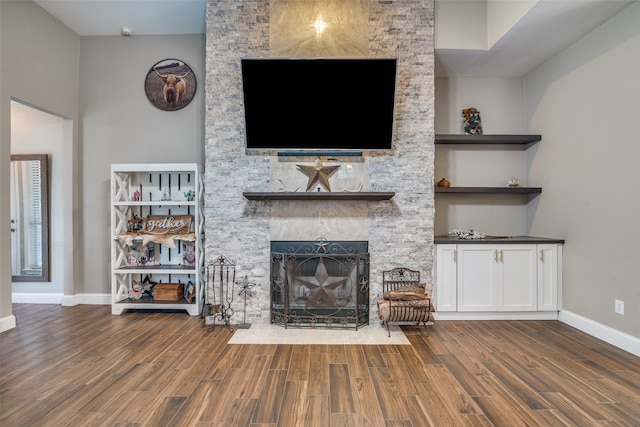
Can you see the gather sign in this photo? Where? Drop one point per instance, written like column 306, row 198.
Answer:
column 168, row 224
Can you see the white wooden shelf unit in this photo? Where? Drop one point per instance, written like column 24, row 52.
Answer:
column 131, row 261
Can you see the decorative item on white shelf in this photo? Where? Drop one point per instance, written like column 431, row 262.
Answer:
column 467, row 235
column 135, row 223
column 190, row 195
column 166, row 195
column 513, row 182
column 136, row 290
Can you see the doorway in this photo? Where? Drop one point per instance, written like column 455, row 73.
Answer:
column 34, row 131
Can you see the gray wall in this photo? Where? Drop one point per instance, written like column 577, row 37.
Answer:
column 39, row 66
column 400, row 231
column 120, row 125
column 585, row 103
column 501, row 103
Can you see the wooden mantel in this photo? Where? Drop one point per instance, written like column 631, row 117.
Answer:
column 319, row 195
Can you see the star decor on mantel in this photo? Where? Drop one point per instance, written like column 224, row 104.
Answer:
column 318, row 173
column 321, row 285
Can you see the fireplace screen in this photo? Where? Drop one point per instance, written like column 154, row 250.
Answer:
column 320, row 283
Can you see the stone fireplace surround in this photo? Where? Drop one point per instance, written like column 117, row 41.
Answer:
column 400, row 230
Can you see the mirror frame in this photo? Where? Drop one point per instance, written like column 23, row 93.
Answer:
column 44, row 192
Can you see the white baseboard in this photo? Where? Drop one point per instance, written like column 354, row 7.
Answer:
column 65, row 300
column 7, row 323
column 612, row 336
column 32, row 298
column 88, row 299
column 496, row 315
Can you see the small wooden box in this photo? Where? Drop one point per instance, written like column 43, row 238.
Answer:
column 168, row 291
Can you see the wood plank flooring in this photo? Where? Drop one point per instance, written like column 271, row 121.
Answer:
column 81, row 366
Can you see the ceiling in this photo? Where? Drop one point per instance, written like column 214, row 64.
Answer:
column 550, row 26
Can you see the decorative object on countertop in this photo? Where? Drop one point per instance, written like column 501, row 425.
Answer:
column 467, row 235
column 513, row 182
column 443, row 183
column 318, row 174
column 471, row 121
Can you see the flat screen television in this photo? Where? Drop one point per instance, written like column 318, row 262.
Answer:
column 319, row 104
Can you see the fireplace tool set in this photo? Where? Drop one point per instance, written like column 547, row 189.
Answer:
column 221, row 277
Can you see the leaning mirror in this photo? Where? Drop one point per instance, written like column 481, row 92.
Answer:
column 29, row 218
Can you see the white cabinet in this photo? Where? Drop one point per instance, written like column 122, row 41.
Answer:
column 446, row 278
column 497, row 278
column 148, row 264
column 517, row 274
column 477, row 278
column 549, row 277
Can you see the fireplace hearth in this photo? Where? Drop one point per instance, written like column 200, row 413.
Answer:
column 320, row 283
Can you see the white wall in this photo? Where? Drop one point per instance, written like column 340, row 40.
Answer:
column 585, row 101
column 120, row 125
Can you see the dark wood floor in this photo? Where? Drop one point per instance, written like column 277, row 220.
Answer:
column 81, row 366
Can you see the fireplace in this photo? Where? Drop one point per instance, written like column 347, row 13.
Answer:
column 320, row 283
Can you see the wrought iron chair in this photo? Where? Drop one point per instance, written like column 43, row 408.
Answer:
column 405, row 300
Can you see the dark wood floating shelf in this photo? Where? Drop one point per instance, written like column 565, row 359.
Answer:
column 524, row 141
column 319, row 195
column 489, row 190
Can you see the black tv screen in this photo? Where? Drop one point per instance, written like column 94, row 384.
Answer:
column 319, row 104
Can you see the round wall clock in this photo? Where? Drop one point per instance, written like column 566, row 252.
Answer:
column 170, row 84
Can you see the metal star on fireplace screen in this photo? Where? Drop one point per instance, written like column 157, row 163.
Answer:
column 321, row 285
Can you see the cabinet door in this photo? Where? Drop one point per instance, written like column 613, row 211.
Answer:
column 446, row 278
column 548, row 277
column 517, row 273
column 477, row 277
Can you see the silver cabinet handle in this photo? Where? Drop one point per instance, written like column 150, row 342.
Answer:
column 541, row 255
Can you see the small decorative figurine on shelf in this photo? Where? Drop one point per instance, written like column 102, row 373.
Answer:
column 190, row 195
column 135, row 223
column 471, row 121
column 166, row 195
column 513, row 182
column 137, row 196
column 443, row 183
column 136, row 290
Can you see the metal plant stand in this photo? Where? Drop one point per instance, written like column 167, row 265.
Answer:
column 221, row 276
column 245, row 288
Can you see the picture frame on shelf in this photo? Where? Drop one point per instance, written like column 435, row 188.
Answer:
column 188, row 254
column 189, row 290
